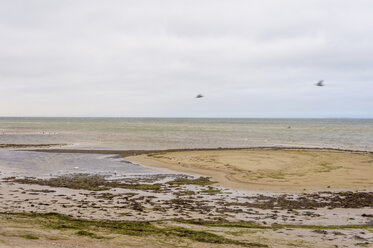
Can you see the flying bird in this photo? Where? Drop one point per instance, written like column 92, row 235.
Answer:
column 320, row 83
column 199, row 96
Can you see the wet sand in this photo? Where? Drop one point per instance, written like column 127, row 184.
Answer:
column 277, row 213
column 324, row 219
column 274, row 170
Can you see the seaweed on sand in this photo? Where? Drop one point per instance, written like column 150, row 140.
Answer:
column 201, row 181
column 86, row 181
column 132, row 228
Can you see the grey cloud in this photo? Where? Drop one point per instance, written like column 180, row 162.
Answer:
column 149, row 58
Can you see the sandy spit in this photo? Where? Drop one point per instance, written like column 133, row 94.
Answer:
column 274, row 170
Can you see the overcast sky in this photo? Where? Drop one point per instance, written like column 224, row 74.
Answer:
column 151, row 58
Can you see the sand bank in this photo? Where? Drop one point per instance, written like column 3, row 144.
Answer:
column 169, row 209
column 271, row 169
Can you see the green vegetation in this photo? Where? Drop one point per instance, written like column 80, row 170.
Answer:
column 206, row 237
column 241, row 232
column 85, row 181
column 299, row 243
column 242, row 224
column 97, row 229
column 313, row 227
column 107, row 196
column 153, row 187
column 86, row 227
column 211, row 191
column 201, row 181
column 223, row 223
column 88, row 234
column 29, row 236
column 77, row 181
column 188, row 192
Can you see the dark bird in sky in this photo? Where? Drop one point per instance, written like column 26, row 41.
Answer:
column 199, row 96
column 320, row 83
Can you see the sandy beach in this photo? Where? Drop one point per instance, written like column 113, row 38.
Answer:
column 247, row 197
column 274, row 170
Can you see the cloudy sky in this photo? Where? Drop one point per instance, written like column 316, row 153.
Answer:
column 151, row 58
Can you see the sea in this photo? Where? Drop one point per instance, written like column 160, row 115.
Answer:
column 159, row 133
column 167, row 133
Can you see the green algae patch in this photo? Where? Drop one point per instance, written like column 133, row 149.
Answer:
column 132, row 228
column 252, row 225
column 211, row 191
column 201, row 181
column 29, row 236
column 207, row 237
column 87, row 182
column 223, row 223
column 333, row 227
column 89, row 234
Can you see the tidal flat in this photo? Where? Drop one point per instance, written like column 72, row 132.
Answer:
column 177, row 208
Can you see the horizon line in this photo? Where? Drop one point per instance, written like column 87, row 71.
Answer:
column 193, row 117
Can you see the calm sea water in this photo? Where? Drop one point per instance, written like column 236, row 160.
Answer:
column 44, row 165
column 151, row 133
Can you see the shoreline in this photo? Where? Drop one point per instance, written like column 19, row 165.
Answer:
column 87, row 210
column 140, row 151
column 325, row 166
